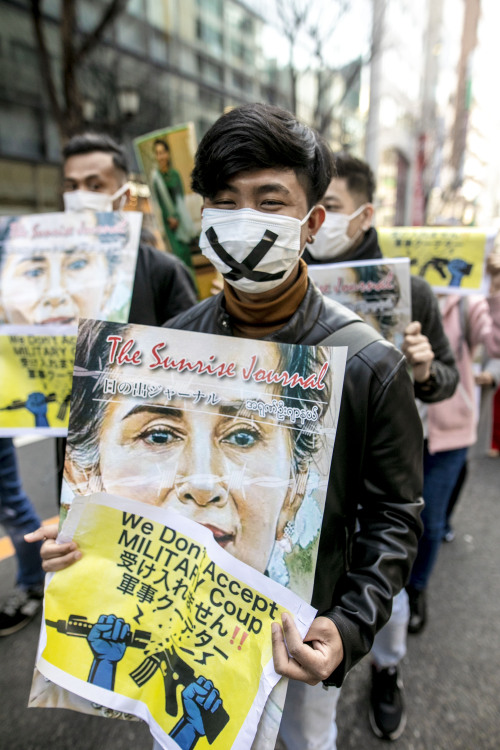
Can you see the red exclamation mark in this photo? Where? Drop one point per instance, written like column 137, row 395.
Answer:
column 236, row 631
column 243, row 639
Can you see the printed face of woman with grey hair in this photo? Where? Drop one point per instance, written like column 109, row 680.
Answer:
column 203, row 446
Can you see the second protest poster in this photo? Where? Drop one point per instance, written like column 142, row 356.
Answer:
column 377, row 290
column 55, row 269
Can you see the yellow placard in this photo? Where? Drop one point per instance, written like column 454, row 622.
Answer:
column 37, row 372
column 149, row 615
column 450, row 259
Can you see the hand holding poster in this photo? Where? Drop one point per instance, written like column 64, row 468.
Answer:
column 451, row 259
column 54, row 269
column 238, row 438
column 157, row 620
column 377, row 290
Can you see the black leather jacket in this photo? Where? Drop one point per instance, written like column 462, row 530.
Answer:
column 371, row 522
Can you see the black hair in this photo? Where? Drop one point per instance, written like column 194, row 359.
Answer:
column 86, row 143
column 358, row 175
column 161, row 142
column 261, row 136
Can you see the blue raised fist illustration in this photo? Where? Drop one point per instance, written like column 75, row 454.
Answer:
column 458, row 268
column 36, row 403
column 200, row 700
column 107, row 639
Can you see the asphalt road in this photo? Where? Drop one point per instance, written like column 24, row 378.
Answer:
column 451, row 672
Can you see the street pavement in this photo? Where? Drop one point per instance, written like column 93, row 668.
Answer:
column 451, row 671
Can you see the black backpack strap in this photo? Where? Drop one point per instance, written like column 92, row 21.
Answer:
column 355, row 335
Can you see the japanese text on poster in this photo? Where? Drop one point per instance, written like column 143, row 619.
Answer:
column 452, row 260
column 159, row 621
column 37, row 371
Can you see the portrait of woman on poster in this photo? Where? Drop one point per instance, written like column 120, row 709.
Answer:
column 169, row 193
column 54, row 281
column 380, row 306
column 247, row 478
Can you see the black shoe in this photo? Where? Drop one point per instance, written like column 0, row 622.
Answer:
column 387, row 707
column 19, row 609
column 418, row 610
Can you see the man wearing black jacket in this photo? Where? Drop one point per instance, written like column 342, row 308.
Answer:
column 95, row 175
column 262, row 175
column 372, row 471
column 348, row 235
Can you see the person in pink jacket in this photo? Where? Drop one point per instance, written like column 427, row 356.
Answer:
column 450, row 426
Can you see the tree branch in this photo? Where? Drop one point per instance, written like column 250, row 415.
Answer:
column 93, row 37
column 46, row 69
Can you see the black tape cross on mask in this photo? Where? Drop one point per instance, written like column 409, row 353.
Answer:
column 246, row 268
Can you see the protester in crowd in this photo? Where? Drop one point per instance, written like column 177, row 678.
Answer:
column 169, row 193
column 18, row 517
column 452, row 426
column 348, row 235
column 487, row 381
column 95, row 177
column 262, row 174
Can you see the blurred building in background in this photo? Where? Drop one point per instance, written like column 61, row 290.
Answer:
column 405, row 85
column 159, row 62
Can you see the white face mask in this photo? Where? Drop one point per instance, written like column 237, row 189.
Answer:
column 89, row 200
column 253, row 250
column 332, row 239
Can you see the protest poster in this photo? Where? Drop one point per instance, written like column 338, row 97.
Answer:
column 166, row 158
column 451, row 259
column 377, row 290
column 54, row 269
column 37, row 370
column 236, row 435
column 59, row 267
column 159, row 621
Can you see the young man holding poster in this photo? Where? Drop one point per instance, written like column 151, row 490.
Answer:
column 262, row 174
column 348, row 235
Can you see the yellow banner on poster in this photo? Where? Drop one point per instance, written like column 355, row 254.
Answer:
column 157, row 620
column 451, row 259
column 37, row 373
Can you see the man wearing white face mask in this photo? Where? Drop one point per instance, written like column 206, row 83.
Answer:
column 262, row 174
column 95, row 178
column 347, row 234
